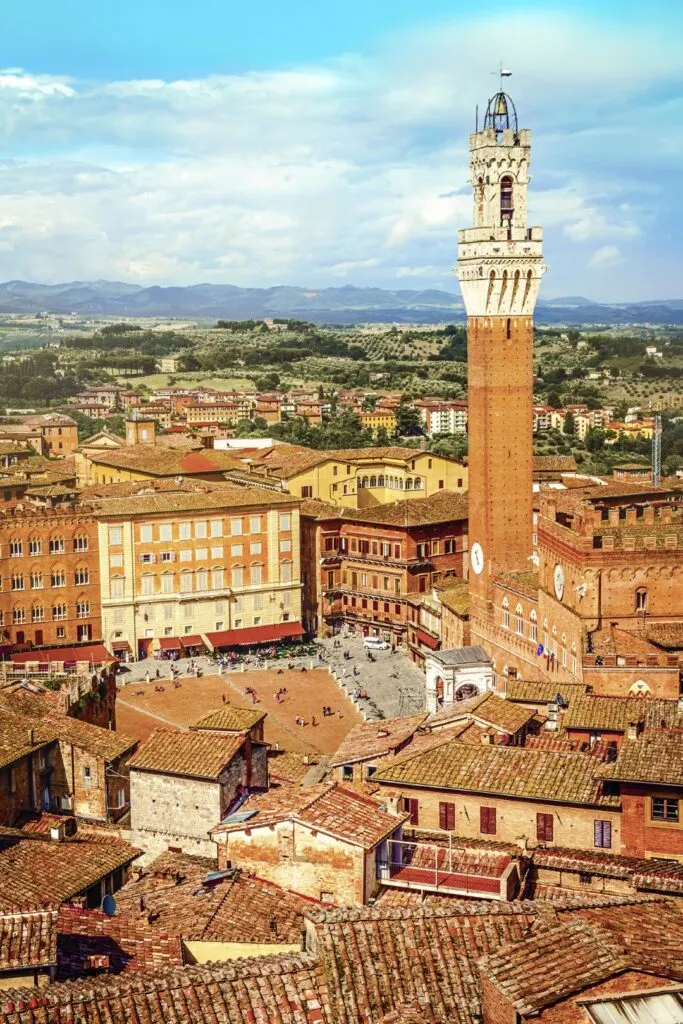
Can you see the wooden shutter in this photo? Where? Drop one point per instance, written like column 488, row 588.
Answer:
column 544, row 828
column 487, row 820
column 602, row 834
column 411, row 805
column 447, row 816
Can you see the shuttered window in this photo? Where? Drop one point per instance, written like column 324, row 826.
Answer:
column 447, row 816
column 487, row 821
column 602, row 834
column 544, row 828
column 412, row 807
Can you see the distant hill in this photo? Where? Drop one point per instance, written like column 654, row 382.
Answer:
column 347, row 304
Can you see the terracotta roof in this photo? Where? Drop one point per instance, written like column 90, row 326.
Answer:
column 666, row 634
column 456, row 598
column 326, row 806
column 104, row 743
column 159, row 460
column 527, row 582
column 614, row 714
column 554, row 464
column 28, row 940
column 212, row 499
column 201, row 755
column 658, row 875
column 552, row 964
column 176, row 894
column 289, row 766
column 531, row 692
column 127, row 945
column 656, row 756
column 230, row 718
column 276, row 989
column 397, row 452
column 39, row 872
column 612, row 641
column 21, row 736
column 488, row 708
column 505, row 771
column 376, row 739
column 441, row 507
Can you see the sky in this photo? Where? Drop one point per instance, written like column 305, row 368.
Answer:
column 259, row 143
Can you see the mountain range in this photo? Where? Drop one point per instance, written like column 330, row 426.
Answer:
column 347, row 304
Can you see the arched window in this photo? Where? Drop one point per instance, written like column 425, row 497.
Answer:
column 58, row 611
column 80, row 542
column 641, row 599
column 57, row 546
column 418, row 483
column 519, row 613
column 533, row 626
column 409, row 484
column 400, row 483
column 506, row 613
column 380, row 481
column 373, row 481
column 506, row 200
column 18, row 615
column 37, row 613
column 480, row 200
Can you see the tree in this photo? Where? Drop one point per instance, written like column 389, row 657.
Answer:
column 569, row 426
column 554, row 400
column 408, row 423
column 595, row 439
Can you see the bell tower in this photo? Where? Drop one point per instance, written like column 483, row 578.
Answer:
column 500, row 265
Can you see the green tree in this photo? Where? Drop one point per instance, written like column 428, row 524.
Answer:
column 408, row 423
column 554, row 400
column 569, row 426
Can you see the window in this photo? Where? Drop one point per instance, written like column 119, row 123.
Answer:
column 168, row 611
column 440, row 485
column 258, row 602
column 533, row 627
column 59, row 612
column 167, row 583
column 412, row 807
column 115, row 536
column 87, row 776
column 237, row 576
column 544, row 828
column 185, row 531
column 520, row 620
column 285, row 522
column 146, row 535
column 200, row 530
column 167, row 556
column 347, row 773
column 147, row 558
column 35, row 546
column 602, row 834
column 61, row 632
column 236, row 550
column 236, row 527
column 17, row 582
column 447, row 816
column 255, row 524
column 664, row 809
column 37, row 613
column 148, row 584
column 286, row 545
column 116, row 561
column 641, row 600
column 487, row 821
column 216, row 552
column 80, row 543
column 186, row 555
column 58, row 578
column 285, row 572
column 185, row 582
column 18, row 616
column 506, row 613
column 81, row 577
column 506, row 209
column 166, row 531
column 256, row 574
column 36, row 581
column 256, row 548
column 201, row 554
column 217, row 579
column 82, row 609
column 116, row 586
column 307, row 491
column 216, row 528
column 201, row 579
column 16, row 548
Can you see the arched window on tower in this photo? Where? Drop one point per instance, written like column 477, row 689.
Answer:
column 519, row 614
column 641, row 599
column 506, row 201
column 480, row 201
column 506, row 613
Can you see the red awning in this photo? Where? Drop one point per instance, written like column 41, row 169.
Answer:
column 97, row 654
column 120, row 645
column 255, row 635
column 427, row 640
column 170, row 643
column 192, row 641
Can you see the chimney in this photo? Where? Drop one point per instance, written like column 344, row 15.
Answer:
column 634, row 730
column 31, row 738
column 57, row 832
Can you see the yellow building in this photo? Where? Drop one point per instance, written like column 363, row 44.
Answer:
column 191, row 561
column 356, row 477
column 376, row 418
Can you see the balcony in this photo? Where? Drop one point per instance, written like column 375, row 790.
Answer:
column 442, row 867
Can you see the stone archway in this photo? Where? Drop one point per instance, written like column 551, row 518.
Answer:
column 466, row 691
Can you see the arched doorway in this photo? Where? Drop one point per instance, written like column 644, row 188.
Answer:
column 466, row 691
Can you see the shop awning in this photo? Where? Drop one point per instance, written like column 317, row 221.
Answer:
column 96, row 654
column 427, row 640
column 255, row 635
column 120, row 645
column 192, row 641
column 170, row 643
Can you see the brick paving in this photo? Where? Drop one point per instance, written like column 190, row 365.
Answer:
column 395, row 686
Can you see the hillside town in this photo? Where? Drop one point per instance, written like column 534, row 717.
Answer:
column 378, row 734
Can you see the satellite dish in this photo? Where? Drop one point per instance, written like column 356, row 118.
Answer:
column 108, row 905
column 540, row 649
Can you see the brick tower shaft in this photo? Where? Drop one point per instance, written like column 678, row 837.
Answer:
column 500, row 265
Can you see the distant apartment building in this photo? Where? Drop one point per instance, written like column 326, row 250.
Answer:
column 440, row 417
column 192, row 561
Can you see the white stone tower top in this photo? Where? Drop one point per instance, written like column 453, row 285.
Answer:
column 500, row 259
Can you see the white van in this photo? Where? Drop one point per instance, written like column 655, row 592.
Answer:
column 375, row 643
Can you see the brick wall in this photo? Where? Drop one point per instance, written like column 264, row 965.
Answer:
column 496, row 1008
column 572, row 826
column 19, row 788
column 170, row 810
column 568, row 1012
column 639, row 835
column 299, row 858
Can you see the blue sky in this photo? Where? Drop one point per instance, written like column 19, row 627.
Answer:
column 265, row 143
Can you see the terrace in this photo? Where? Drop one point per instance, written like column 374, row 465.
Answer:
column 449, row 869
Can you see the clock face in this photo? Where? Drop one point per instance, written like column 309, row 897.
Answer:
column 477, row 558
column 558, row 579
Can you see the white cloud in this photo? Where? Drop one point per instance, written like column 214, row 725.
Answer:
column 606, row 256
column 351, row 169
